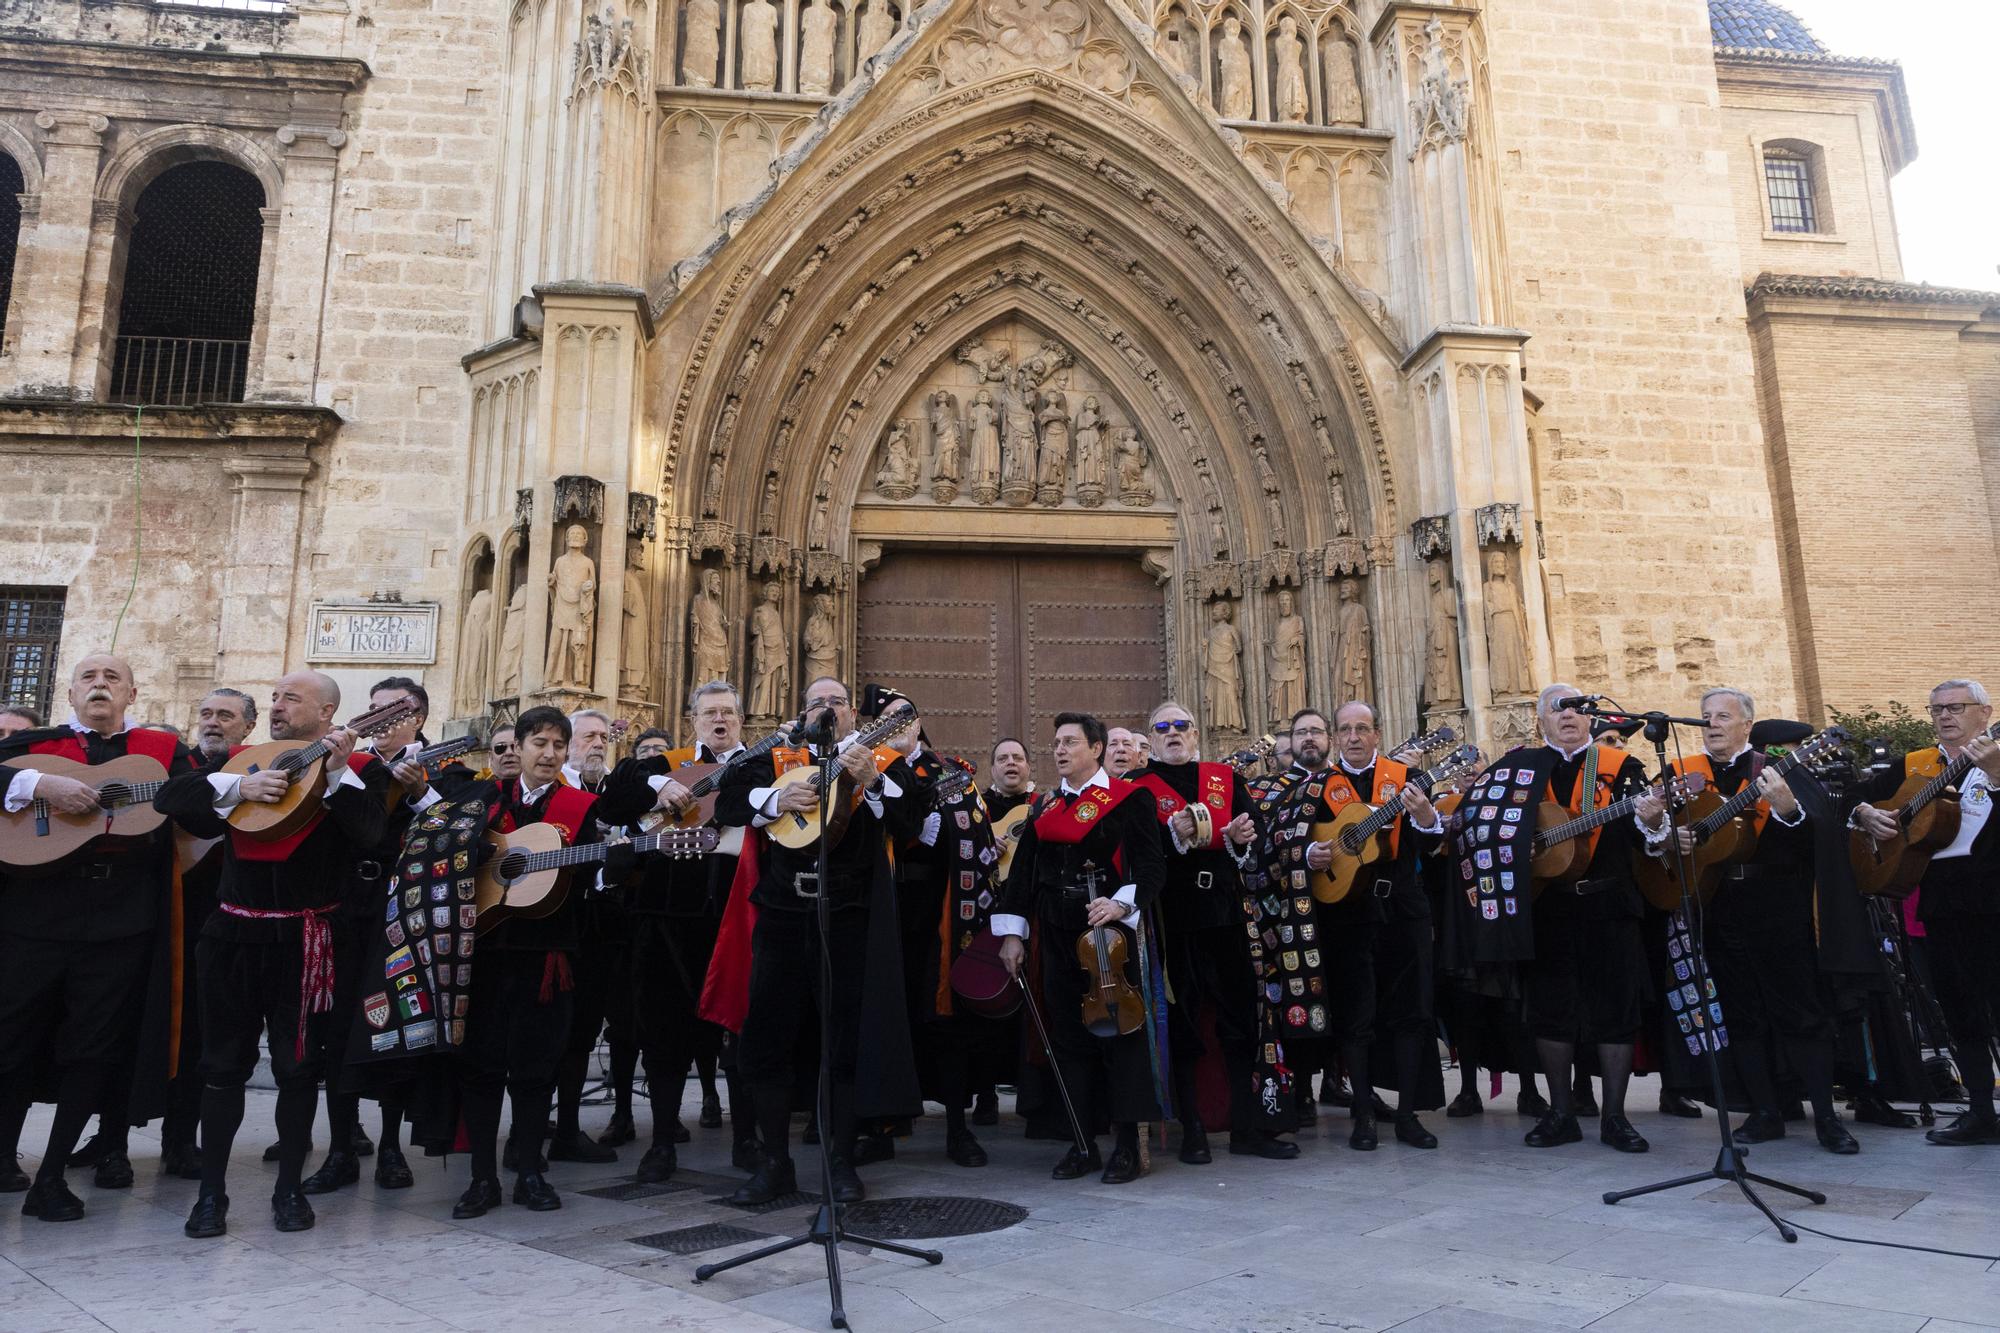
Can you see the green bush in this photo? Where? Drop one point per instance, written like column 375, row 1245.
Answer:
column 1901, row 728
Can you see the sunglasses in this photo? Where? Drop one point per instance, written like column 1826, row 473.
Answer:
column 1164, row 727
column 501, row 749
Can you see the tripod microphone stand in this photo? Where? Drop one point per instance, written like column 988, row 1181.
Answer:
column 1729, row 1160
column 827, row 1229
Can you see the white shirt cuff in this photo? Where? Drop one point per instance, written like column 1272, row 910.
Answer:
column 343, row 777
column 763, row 800
column 1435, row 826
column 228, row 789
column 22, row 789
column 657, row 781
column 1654, row 838
column 1006, row 923
column 1798, row 817
column 1129, row 895
column 1174, row 835
column 424, row 800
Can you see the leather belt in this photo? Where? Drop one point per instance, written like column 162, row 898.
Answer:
column 1583, row 888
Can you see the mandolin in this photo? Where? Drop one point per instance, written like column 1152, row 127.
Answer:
column 1560, row 857
column 305, row 767
column 37, row 835
column 801, row 828
column 427, row 758
column 1724, row 834
column 704, row 782
column 1926, row 810
column 1359, row 833
column 524, row 875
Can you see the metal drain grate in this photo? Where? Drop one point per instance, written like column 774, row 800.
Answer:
column 930, row 1217
column 693, row 1240
column 627, row 1190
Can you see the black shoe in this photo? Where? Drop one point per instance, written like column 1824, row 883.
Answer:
column 1583, row 1102
column 91, row 1153
column 847, row 1186
column 1833, row 1136
column 964, row 1149
column 178, row 1159
column 1615, row 1131
column 1335, row 1092
column 1411, row 1130
column 114, row 1171
column 533, row 1192
column 359, row 1143
column 711, row 1111
column 52, row 1201
column 679, row 1131
column 1870, row 1109
column 291, row 1212
column 1531, row 1103
column 1308, row 1107
column 1760, row 1128
column 1263, row 1145
column 13, row 1180
column 1466, row 1104
column 657, row 1167
column 392, row 1169
column 1074, row 1164
column 986, row 1109
column 208, row 1218
column 1970, row 1128
column 1672, row 1103
column 1122, row 1166
column 340, row 1168
column 480, row 1198
column 577, row 1147
column 743, row 1155
column 1363, row 1138
column 1194, row 1144
column 618, row 1132
column 874, row 1148
column 277, row 1150
column 1552, row 1130
column 775, row 1178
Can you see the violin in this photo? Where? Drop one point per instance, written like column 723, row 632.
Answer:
column 1112, row 1005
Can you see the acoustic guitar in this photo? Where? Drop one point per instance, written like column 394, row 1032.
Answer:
column 1359, row 832
column 1724, row 834
column 304, row 766
column 524, row 875
column 1560, row 855
column 38, row 835
column 1926, row 811
column 1007, row 832
column 431, row 756
column 704, row 784
column 800, row 829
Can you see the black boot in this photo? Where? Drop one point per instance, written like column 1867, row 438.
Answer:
column 290, row 1211
column 341, row 1167
column 1672, row 1103
column 1466, row 1104
column 961, row 1147
column 208, row 1218
column 1552, row 1130
column 711, row 1111
column 657, row 1167
column 179, row 1159
column 480, row 1198
column 392, row 1169
column 1122, row 1165
column 52, row 1201
column 533, row 1192
column 1833, row 1136
column 114, row 1171
column 1615, row 1131
column 1075, row 1164
column 1363, row 1138
column 1760, row 1127
column 1411, row 1131
column 775, row 1178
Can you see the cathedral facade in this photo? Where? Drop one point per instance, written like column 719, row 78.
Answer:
column 1025, row 354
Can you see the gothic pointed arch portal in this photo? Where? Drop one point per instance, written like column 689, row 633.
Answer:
column 1037, row 299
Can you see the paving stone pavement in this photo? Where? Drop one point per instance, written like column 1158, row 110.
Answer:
column 1483, row 1235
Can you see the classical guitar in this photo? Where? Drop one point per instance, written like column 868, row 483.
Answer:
column 704, row 782
column 801, row 829
column 304, row 766
column 1926, row 810
column 524, row 875
column 428, row 758
column 1007, row 831
column 1359, row 832
column 1560, row 855
column 1724, row 833
column 38, row 835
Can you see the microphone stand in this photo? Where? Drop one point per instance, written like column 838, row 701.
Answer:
column 1729, row 1161
column 827, row 1230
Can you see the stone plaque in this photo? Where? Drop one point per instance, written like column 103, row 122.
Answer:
column 373, row 632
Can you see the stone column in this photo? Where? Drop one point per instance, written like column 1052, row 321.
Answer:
column 292, row 275
column 253, row 636
column 48, row 312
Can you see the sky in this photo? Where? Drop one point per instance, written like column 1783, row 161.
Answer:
column 1948, row 200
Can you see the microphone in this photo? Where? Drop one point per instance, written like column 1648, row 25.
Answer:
column 1577, row 701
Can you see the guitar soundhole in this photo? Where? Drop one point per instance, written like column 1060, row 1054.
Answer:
column 512, row 866
column 113, row 793
column 1350, row 843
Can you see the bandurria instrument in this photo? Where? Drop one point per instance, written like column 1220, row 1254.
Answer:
column 800, row 829
column 305, row 767
column 1359, row 832
column 524, row 875
column 1418, row 746
column 38, row 835
column 1926, row 820
column 428, row 758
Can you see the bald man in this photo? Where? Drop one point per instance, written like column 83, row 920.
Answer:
column 87, row 947
column 276, row 911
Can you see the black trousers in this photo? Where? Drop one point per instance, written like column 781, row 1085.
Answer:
column 1964, row 951
column 517, row 1021
column 669, row 960
column 78, row 997
column 1587, row 983
column 246, row 990
column 603, row 1000
column 1109, row 1078
column 1765, row 960
column 785, row 995
column 1209, row 970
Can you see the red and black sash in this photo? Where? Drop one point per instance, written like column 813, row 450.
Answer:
column 155, row 745
column 1215, row 787
column 568, row 807
column 1069, row 822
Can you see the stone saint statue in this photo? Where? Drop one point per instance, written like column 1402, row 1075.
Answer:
column 948, row 438
column 1052, row 474
column 877, row 26
column 475, row 653
column 513, row 637
column 1506, row 629
column 982, row 422
column 1292, row 104
column 701, row 48
column 1288, row 660
column 769, row 693
column 757, row 33
column 635, row 647
column 1092, row 466
column 822, row 644
column 1018, row 443
column 816, row 49
column 1356, row 643
column 572, row 612
column 1343, row 84
column 1132, row 488
column 1238, row 99
column 897, row 478
column 1441, row 681
column 711, row 488
column 1222, row 670
column 708, row 640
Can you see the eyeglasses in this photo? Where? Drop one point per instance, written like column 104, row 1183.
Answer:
column 1180, row 724
column 1950, row 710
column 838, row 701
column 502, row 749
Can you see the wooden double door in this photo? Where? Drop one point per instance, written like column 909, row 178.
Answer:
column 992, row 645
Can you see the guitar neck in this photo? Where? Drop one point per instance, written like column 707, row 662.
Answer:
column 1584, row 823
column 1954, row 773
column 300, row 760
column 711, row 781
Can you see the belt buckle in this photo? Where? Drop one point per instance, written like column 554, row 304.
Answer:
column 799, row 881
column 1578, row 888
column 1384, row 887
column 94, row 870
column 1204, row 879
column 368, row 869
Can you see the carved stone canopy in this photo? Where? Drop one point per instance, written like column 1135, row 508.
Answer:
column 1497, row 524
column 524, row 507
column 1432, row 536
column 642, row 516
column 579, row 497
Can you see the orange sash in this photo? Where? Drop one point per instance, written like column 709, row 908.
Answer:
column 1700, row 764
column 1390, row 775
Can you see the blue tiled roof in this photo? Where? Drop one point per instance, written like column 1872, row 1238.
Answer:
column 1760, row 26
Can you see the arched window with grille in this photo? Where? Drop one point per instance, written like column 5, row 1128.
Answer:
column 11, row 185
column 189, row 297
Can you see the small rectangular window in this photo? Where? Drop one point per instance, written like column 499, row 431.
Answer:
column 1788, row 181
column 31, row 621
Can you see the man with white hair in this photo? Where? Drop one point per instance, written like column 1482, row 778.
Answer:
column 1959, row 902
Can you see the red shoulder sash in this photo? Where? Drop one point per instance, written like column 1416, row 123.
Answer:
column 1072, row 823
column 1215, row 787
